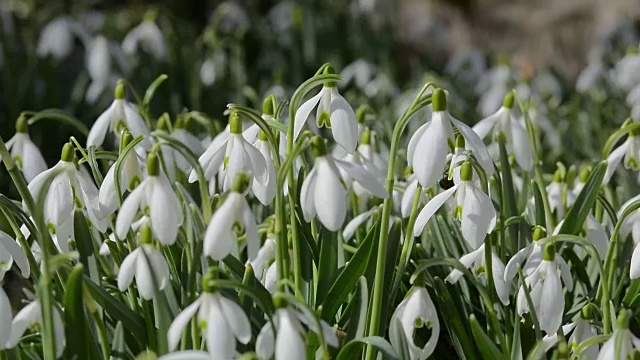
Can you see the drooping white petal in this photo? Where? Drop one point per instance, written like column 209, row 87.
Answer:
column 521, row 146
column 220, row 341
column 258, row 163
column 29, row 314
column 265, row 343
column 478, row 216
column 129, row 210
column 128, row 270
column 303, row 113
column 236, row 318
column 552, row 308
column 174, row 334
column 484, row 126
column 408, row 197
column 16, row 252
column 58, row 202
column 89, row 195
column 100, row 127
column 476, row 145
column 634, row 271
column 329, row 195
column 512, row 266
column 467, row 261
column 430, row 208
column 144, row 275
column 355, row 223
column 165, row 211
column 344, row 126
column 413, row 142
column 5, row 318
column 211, row 159
column 428, row 168
column 307, row 203
column 32, row 161
column 218, row 238
column 502, row 288
column 250, row 227
column 614, row 158
column 289, row 342
column 136, row 124
column 187, row 355
column 107, row 196
column 364, row 178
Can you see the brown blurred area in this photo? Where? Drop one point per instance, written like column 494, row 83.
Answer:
column 534, row 33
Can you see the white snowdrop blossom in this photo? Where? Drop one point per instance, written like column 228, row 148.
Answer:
column 360, row 72
column 334, row 112
column 11, row 252
column 186, row 355
column 232, row 154
column 57, row 37
column 594, row 232
column 492, row 87
column 130, row 176
column 25, row 153
column 223, row 322
column 581, row 330
column 504, row 122
column 546, row 290
column 220, row 238
column 530, row 256
column 560, row 198
column 473, row 208
column 119, row 116
column 631, row 226
column 626, row 74
column 288, row 341
column 368, row 158
column 147, row 37
column 475, row 261
column 628, row 153
column 406, row 203
column 323, row 194
column 69, row 187
column 623, row 344
column 147, row 265
column 433, row 139
column 27, row 317
column 266, row 255
column 265, row 192
column 154, row 197
column 415, row 311
column 173, row 159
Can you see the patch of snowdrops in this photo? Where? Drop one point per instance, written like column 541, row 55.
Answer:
column 308, row 229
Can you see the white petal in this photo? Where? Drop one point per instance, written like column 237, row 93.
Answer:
column 408, row 196
column 565, row 273
column 16, row 252
column 303, row 113
column 187, row 355
column 237, row 319
column 218, row 238
column 307, row 202
column 413, row 142
column 478, row 216
column 90, row 198
column 129, row 210
column 329, row 196
column 552, row 308
column 289, row 342
column 29, row 315
column 608, row 350
column 364, row 178
column 430, row 208
column 174, row 335
column 128, row 270
column 484, row 126
column 5, row 318
column 59, row 200
column 258, row 163
column 502, row 288
column 344, row 126
column 100, row 127
column 32, row 161
column 355, row 223
column 135, row 124
column 512, row 266
column 634, row 271
column 220, row 340
column 107, row 196
column 475, row 143
column 58, row 332
column 165, row 211
column 429, row 168
column 265, row 344
column 251, row 229
column 159, row 266
column 144, row 275
column 467, row 261
column 613, row 160
column 211, row 159
column 521, row 146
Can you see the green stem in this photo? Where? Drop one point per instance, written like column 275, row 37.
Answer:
column 409, row 240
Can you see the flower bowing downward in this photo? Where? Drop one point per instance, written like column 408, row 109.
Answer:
column 25, row 153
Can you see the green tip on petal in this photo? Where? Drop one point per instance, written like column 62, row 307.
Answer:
column 508, row 100
column 208, row 278
column 235, row 124
column 623, row 319
column 241, row 182
column 539, row 233
column 558, row 176
column 268, row 105
column 146, row 237
column 153, row 164
column 125, row 140
column 466, row 171
column 549, row 251
column 460, row 142
column 318, row 147
column 67, row 152
column 22, row 125
column 365, row 137
column 163, row 122
column 121, row 90
column 439, row 100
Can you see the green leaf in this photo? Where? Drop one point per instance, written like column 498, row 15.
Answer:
column 131, row 320
column 118, row 345
column 577, row 214
column 632, row 293
column 352, row 348
column 328, row 263
column 393, row 250
column 508, row 197
column 151, row 90
column 487, row 346
column 539, row 205
column 457, row 325
column 347, row 279
column 76, row 324
column 84, row 242
column 358, row 314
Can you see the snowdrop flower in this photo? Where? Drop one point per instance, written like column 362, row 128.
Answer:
column 220, row 239
column 173, row 158
column 289, row 340
column 266, row 255
column 322, row 192
column 69, row 187
column 11, row 252
column 186, row 355
column 130, row 177
column 24, row 152
column 147, row 265
column 223, row 322
column 626, row 74
column 504, row 122
column 334, row 112
column 628, row 343
column 467, row 64
column 628, row 153
column 530, row 255
column 433, row 138
column 56, row 38
column 546, row 290
column 98, row 64
column 28, row 316
column 368, row 158
column 633, row 100
column 148, row 37
column 155, row 196
column 120, row 115
column 234, row 155
column 594, row 71
column 492, row 87
column 415, row 311
column 581, row 330
column 360, row 72
column 475, row 260
column 267, row 191
column 631, row 226
column 559, row 198
column 406, row 203
column 594, row 232
column 473, row 208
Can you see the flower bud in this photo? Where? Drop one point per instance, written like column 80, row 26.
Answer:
column 207, row 279
column 460, row 143
column 163, row 122
column 146, row 237
column 262, row 135
column 268, row 105
column 623, row 319
column 125, row 140
column 584, row 174
column 67, row 152
column 439, row 100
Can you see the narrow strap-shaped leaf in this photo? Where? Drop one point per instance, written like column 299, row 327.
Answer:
column 457, row 325
column 358, row 314
column 117, row 344
column 351, row 349
column 78, row 346
column 577, row 214
column 328, row 264
column 487, row 347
